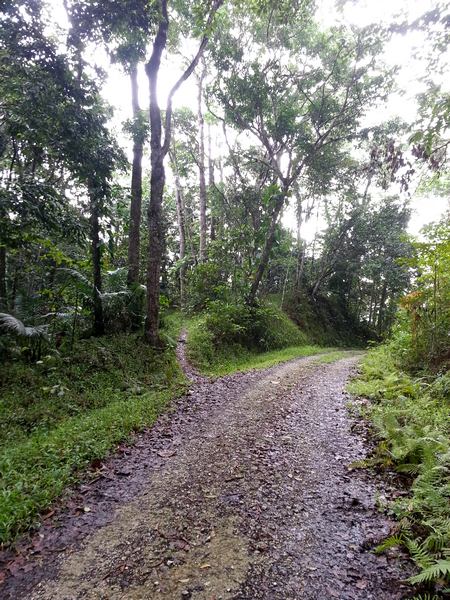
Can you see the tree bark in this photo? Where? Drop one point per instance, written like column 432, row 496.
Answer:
column 181, row 219
column 201, row 167
column 300, row 248
column 157, row 181
column 136, row 187
column 211, row 187
column 266, row 250
column 96, row 254
column 380, row 320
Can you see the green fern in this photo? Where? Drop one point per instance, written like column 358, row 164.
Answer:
column 439, row 570
column 419, row 553
column 408, row 468
column 391, row 542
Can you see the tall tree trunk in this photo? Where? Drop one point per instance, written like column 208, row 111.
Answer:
column 380, row 321
column 96, row 254
column 181, row 220
column 158, row 150
column 266, row 250
column 3, row 289
column 201, row 166
column 157, row 181
column 300, row 249
column 211, row 186
column 136, row 187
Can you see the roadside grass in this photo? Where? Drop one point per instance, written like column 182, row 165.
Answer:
column 332, row 355
column 233, row 358
column 411, row 418
column 59, row 415
column 246, row 361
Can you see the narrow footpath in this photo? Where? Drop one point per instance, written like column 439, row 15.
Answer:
column 242, row 491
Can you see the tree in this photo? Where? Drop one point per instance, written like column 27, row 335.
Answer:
column 301, row 95
column 201, row 163
column 55, row 134
column 160, row 139
column 123, row 28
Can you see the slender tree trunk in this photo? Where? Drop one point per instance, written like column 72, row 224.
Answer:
column 136, row 187
column 380, row 321
column 158, row 150
column 155, row 246
column 371, row 305
column 211, row 186
column 181, row 219
column 99, row 324
column 3, row 288
column 266, row 250
column 201, row 166
column 300, row 250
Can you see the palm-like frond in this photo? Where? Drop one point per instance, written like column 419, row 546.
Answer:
column 81, row 282
column 12, row 325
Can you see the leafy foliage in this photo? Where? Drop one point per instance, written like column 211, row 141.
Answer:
column 410, row 411
column 227, row 329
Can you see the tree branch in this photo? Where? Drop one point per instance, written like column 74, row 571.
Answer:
column 186, row 74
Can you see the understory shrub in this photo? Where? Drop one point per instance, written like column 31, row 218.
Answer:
column 411, row 416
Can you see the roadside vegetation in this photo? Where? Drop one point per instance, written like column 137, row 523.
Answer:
column 226, row 338
column 408, row 381
column 60, row 414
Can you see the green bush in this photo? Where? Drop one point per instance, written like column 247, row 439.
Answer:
column 206, row 283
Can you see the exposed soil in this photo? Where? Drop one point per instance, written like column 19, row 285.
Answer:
column 242, row 491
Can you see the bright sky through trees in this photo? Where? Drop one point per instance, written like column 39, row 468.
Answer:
column 400, row 51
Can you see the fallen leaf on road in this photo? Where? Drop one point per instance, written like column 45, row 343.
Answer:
column 166, row 453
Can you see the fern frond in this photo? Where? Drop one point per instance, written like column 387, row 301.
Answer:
column 439, row 570
column 409, row 468
column 12, row 325
column 113, row 295
column 419, row 553
column 390, row 542
column 82, row 283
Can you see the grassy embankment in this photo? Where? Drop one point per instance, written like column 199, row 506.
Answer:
column 60, row 414
column 411, row 418
column 228, row 338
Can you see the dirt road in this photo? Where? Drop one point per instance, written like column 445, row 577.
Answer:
column 243, row 491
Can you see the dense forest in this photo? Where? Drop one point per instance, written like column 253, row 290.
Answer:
column 253, row 197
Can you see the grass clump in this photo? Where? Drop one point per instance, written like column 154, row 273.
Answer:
column 62, row 413
column 411, row 417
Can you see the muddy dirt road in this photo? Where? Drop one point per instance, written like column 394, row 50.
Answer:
column 243, row 491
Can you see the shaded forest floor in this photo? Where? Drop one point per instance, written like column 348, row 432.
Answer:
column 242, row 491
